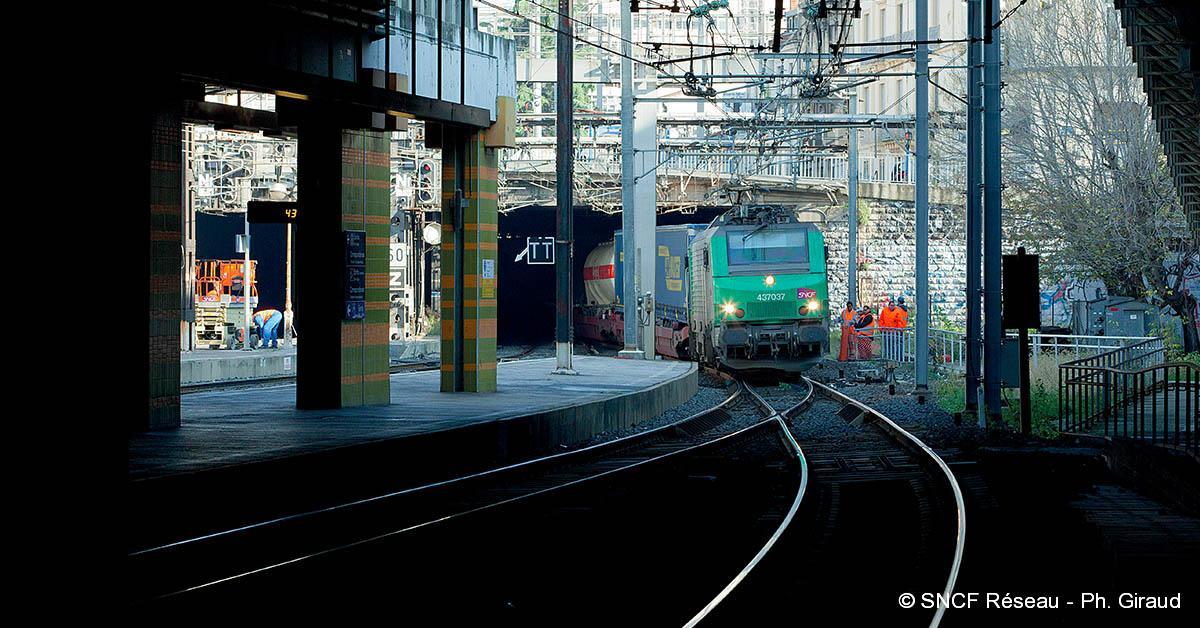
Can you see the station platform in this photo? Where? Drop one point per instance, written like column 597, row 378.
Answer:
column 252, row 446
column 414, row 348
column 217, row 366
column 212, row 366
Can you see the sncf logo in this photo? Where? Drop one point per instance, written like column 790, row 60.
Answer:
column 805, row 293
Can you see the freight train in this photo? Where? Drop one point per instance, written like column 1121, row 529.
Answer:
column 602, row 317
column 747, row 291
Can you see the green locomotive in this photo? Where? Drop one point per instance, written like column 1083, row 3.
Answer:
column 759, row 291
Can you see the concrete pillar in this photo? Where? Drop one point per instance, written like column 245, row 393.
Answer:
column 469, row 165
column 164, row 201
column 645, row 210
column 342, row 360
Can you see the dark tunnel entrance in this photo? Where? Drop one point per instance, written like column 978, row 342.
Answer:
column 525, row 308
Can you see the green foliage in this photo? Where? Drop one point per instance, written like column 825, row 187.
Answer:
column 951, row 394
column 1171, row 340
column 939, row 319
column 524, row 98
column 864, row 213
column 1043, row 406
column 1043, row 400
column 584, row 96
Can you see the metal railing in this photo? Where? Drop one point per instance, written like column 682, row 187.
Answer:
column 824, row 167
column 1131, row 392
column 948, row 348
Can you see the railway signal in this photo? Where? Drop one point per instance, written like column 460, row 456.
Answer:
column 1021, row 301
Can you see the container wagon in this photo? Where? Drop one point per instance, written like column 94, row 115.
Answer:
column 601, row 318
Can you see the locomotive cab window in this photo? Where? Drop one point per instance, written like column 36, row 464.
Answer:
column 775, row 245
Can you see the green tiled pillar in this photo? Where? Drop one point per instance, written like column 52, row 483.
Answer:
column 344, row 186
column 366, row 190
column 478, row 181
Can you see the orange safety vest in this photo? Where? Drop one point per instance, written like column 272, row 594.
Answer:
column 889, row 317
column 265, row 314
column 869, row 328
column 847, row 317
column 900, row 318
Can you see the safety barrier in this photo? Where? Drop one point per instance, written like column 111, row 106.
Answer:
column 948, row 348
column 1131, row 392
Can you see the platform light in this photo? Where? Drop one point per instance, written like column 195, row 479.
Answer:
column 278, row 191
column 432, row 233
column 769, row 280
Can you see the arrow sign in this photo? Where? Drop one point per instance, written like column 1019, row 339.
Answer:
column 538, row 250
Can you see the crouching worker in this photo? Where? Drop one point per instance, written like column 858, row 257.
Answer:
column 267, row 321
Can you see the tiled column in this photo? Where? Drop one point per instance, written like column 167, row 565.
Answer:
column 478, row 182
column 366, row 193
column 344, row 185
column 164, row 167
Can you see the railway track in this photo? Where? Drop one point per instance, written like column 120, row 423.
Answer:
column 721, row 451
column 883, row 517
column 676, row 509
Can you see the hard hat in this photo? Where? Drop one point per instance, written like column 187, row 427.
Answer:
column 900, row 300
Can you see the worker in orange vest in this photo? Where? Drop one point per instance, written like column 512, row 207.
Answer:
column 865, row 330
column 267, row 321
column 848, row 316
column 892, row 321
column 892, row 317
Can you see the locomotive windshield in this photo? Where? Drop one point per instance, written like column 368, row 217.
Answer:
column 782, row 244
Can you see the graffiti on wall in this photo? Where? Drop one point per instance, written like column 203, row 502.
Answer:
column 1058, row 297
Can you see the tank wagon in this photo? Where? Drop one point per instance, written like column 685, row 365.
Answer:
column 601, row 318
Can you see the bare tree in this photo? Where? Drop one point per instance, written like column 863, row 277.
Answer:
column 1086, row 176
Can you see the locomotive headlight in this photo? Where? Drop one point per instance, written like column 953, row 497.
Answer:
column 813, row 305
column 729, row 308
column 769, row 280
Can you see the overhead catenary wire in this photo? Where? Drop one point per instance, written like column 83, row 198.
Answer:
column 571, row 35
column 779, row 100
column 581, row 23
column 1009, row 13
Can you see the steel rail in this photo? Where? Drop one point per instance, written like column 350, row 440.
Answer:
column 907, row 440
column 741, row 433
column 640, row 438
column 795, row 449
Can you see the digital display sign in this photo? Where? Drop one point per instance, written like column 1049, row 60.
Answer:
column 272, row 212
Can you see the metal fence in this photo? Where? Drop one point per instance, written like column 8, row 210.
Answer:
column 948, row 348
column 1131, row 392
column 824, row 167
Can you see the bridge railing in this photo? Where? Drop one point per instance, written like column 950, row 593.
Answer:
column 826, row 167
column 1131, row 392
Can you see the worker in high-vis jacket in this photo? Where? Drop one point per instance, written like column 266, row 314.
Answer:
column 892, row 321
column 267, row 321
column 864, row 328
column 848, row 317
